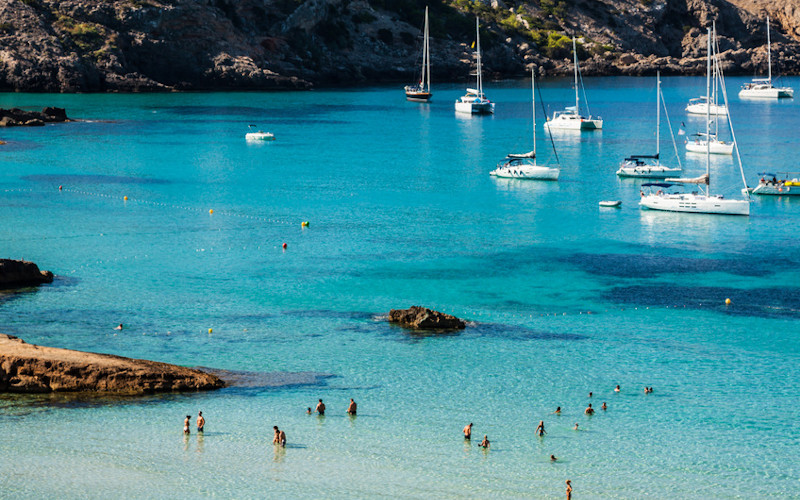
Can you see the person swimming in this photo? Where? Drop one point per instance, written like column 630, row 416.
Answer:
column 604, row 407
column 540, row 429
column 589, row 410
column 558, row 411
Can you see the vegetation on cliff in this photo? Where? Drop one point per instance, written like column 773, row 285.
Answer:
column 152, row 45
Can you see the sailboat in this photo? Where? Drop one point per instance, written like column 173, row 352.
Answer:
column 570, row 118
column 762, row 88
column 710, row 141
column 523, row 166
column 421, row 92
column 474, row 101
column 636, row 165
column 708, row 104
column 701, row 201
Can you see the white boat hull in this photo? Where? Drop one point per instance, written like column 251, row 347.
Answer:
column 648, row 171
column 777, row 190
column 700, row 109
column 716, row 148
column 766, row 93
column 259, row 136
column 526, row 172
column 473, row 108
column 573, row 124
column 695, row 203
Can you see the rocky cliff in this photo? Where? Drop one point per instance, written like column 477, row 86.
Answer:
column 21, row 273
column 160, row 45
column 28, row 368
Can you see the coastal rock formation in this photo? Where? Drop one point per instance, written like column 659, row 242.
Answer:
column 19, row 117
column 162, row 45
column 422, row 318
column 28, row 368
column 20, row 273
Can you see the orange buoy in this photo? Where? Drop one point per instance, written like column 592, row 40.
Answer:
column 304, row 224
column 727, row 302
column 125, row 198
column 211, row 211
column 60, row 188
column 284, row 246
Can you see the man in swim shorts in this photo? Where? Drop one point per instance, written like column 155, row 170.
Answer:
column 468, row 431
column 589, row 410
column 351, row 408
column 321, row 407
column 201, row 422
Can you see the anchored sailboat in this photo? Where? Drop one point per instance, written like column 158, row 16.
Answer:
column 701, row 201
column 708, row 104
column 762, row 88
column 474, row 101
column 523, row 166
column 570, row 118
column 421, row 92
column 649, row 166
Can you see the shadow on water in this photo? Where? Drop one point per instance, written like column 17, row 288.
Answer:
column 647, row 265
column 89, row 179
column 781, row 302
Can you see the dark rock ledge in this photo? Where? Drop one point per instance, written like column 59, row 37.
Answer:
column 19, row 117
column 21, row 273
column 422, row 318
column 28, row 368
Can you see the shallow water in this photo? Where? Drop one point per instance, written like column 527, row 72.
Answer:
column 563, row 298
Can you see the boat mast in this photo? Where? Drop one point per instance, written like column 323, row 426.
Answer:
column 769, row 54
column 708, row 113
column 658, row 115
column 533, row 105
column 426, row 56
column 575, row 56
column 478, row 47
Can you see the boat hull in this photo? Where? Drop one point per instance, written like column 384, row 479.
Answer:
column 475, row 108
column 766, row 93
column 695, row 203
column 259, row 136
column 527, row 172
column 648, row 172
column 700, row 109
column 419, row 96
column 716, row 148
column 779, row 190
column 574, row 124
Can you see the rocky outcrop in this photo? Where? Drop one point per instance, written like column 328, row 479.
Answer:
column 422, row 318
column 20, row 117
column 28, row 368
column 163, row 45
column 21, row 273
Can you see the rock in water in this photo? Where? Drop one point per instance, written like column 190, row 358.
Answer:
column 422, row 318
column 28, row 368
column 20, row 273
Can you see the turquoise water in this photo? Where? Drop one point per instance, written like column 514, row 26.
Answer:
column 564, row 298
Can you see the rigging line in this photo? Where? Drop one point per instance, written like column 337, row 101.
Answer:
column 671, row 133
column 583, row 89
column 549, row 132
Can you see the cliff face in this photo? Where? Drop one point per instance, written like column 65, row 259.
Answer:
column 144, row 45
column 28, row 368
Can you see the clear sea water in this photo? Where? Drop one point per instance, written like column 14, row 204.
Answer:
column 564, row 298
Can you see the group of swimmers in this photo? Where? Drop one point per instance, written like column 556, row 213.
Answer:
column 320, row 408
column 201, row 423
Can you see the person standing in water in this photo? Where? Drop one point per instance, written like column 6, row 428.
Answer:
column 589, row 410
column 569, row 490
column 604, row 407
column 616, row 389
column 201, row 422
column 485, row 443
column 186, row 424
column 321, row 407
column 282, row 439
column 468, row 431
column 351, row 408
column 540, row 429
column 276, row 437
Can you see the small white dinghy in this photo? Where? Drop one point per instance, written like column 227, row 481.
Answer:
column 611, row 203
column 259, row 135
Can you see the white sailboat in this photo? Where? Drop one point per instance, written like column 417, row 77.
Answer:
column 762, row 88
column 701, row 201
column 524, row 166
column 421, row 92
column 709, row 104
column 649, row 166
column 474, row 102
column 570, row 118
column 710, row 141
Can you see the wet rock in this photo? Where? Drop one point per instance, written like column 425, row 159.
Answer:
column 21, row 273
column 422, row 318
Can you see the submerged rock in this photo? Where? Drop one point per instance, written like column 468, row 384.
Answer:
column 20, row 273
column 15, row 117
column 28, row 368
column 422, row 318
